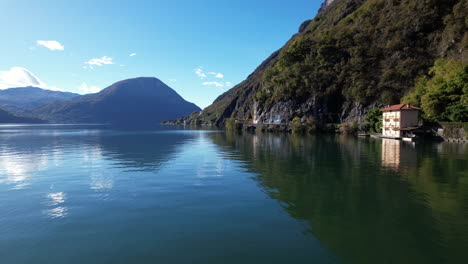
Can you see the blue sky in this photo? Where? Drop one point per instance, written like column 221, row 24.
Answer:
column 199, row 48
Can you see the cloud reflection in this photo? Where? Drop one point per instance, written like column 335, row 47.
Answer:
column 18, row 169
column 100, row 182
column 54, row 199
column 58, row 212
column 93, row 161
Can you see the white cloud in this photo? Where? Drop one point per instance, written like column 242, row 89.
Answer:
column 51, row 44
column 172, row 80
column 199, row 72
column 85, row 89
column 99, row 62
column 132, row 54
column 217, row 84
column 217, row 74
column 19, row 77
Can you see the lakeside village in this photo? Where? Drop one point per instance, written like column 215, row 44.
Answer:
column 399, row 122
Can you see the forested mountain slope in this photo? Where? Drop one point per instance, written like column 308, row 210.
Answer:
column 354, row 55
column 25, row 98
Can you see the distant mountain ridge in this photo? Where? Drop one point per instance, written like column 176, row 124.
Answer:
column 139, row 100
column 7, row 117
column 22, row 99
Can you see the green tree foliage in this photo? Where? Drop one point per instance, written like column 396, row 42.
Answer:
column 230, row 124
column 363, row 51
column 374, row 120
column 364, row 127
column 296, row 125
column 347, row 129
column 443, row 94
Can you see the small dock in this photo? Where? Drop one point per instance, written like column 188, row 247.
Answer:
column 387, row 137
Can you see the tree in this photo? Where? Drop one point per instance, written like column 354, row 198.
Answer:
column 374, row 119
column 443, row 94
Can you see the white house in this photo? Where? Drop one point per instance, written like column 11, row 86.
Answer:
column 399, row 119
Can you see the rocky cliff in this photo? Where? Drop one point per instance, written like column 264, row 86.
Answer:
column 325, row 4
column 354, row 55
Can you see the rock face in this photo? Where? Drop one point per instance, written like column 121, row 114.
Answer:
column 325, row 5
column 25, row 98
column 133, row 101
column 453, row 133
column 353, row 56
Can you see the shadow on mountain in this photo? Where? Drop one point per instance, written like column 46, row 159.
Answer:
column 10, row 118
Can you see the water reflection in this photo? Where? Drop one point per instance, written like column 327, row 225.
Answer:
column 154, row 192
column 416, row 212
column 17, row 169
column 56, row 198
column 56, row 201
column 57, row 212
column 27, row 151
column 209, row 168
column 397, row 154
column 45, row 160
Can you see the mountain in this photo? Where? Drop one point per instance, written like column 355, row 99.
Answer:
column 133, row 101
column 354, row 55
column 7, row 117
column 325, row 4
column 26, row 98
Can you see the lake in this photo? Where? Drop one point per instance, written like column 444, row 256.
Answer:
column 91, row 194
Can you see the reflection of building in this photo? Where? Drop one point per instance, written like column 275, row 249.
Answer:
column 398, row 154
column 399, row 119
column 391, row 153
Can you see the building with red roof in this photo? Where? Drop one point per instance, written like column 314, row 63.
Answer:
column 399, row 120
column 400, row 107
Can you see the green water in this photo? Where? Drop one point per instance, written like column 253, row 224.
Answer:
column 83, row 194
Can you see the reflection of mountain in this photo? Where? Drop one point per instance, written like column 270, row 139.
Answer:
column 26, row 151
column 359, row 209
column 142, row 150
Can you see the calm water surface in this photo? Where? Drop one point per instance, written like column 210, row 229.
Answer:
column 87, row 194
